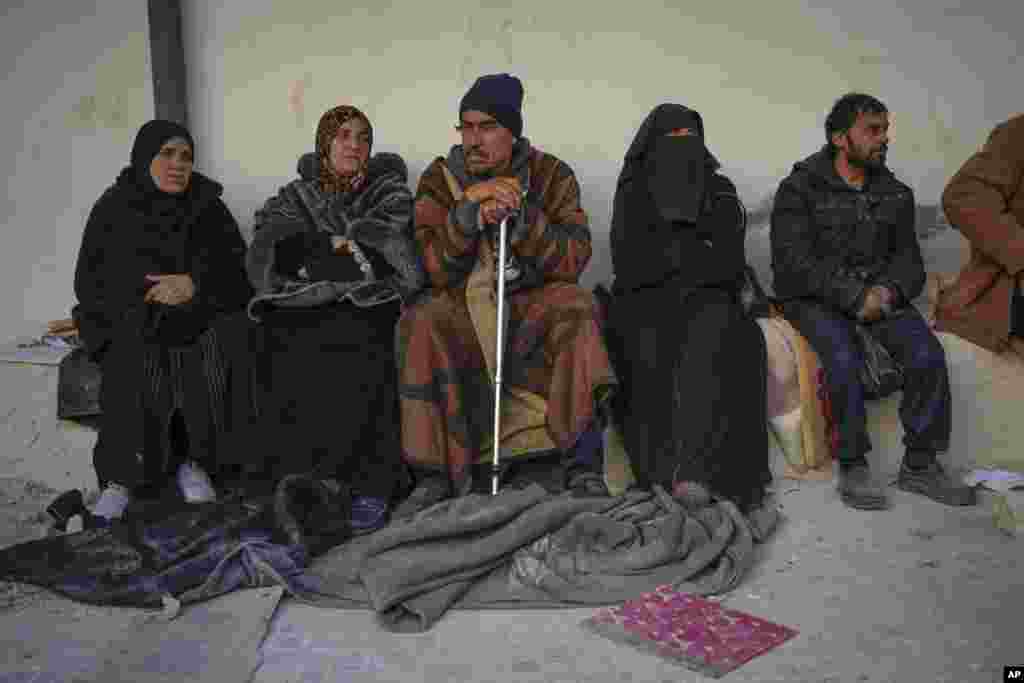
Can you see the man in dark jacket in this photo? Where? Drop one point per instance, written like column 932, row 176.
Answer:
column 845, row 253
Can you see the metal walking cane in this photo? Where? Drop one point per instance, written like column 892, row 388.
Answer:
column 499, row 352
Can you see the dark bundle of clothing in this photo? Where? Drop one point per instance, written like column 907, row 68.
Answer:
column 190, row 552
column 692, row 362
column 157, row 360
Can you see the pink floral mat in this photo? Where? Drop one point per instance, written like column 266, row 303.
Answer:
column 698, row 633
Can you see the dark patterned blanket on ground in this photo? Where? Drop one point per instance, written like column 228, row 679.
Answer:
column 196, row 554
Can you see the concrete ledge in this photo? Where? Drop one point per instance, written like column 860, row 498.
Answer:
column 988, row 421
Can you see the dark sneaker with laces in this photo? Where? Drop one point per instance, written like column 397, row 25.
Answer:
column 429, row 491
column 859, row 490
column 933, row 482
column 368, row 514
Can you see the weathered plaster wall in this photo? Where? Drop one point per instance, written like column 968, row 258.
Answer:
column 76, row 85
column 763, row 75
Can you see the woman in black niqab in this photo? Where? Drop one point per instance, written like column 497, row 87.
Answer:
column 692, row 363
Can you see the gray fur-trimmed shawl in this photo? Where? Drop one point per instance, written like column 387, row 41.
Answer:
column 378, row 216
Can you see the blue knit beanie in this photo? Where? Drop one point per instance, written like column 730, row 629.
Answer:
column 501, row 96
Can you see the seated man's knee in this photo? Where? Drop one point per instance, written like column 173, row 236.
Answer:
column 928, row 355
column 568, row 296
column 846, row 364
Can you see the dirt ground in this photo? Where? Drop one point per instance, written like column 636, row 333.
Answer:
column 919, row 592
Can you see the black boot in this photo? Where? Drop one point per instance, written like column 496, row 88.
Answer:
column 584, row 472
column 926, row 477
column 859, row 490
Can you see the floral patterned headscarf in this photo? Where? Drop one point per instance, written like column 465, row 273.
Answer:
column 326, row 130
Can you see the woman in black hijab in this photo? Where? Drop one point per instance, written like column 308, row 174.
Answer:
column 161, row 259
column 691, row 361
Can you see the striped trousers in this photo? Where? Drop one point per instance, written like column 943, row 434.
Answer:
column 160, row 405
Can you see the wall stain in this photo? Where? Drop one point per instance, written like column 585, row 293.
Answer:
column 297, row 98
column 84, row 111
column 873, row 60
column 117, row 100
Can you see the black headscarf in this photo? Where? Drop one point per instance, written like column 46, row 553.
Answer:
column 136, row 229
column 663, row 119
column 661, row 190
column 151, row 137
column 673, row 168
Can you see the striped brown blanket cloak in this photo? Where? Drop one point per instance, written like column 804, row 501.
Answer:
column 555, row 364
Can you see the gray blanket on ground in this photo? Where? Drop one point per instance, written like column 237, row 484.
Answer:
column 529, row 548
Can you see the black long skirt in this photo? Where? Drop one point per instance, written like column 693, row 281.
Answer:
column 321, row 393
column 161, row 404
column 692, row 406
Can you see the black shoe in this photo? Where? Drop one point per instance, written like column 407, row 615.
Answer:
column 858, row 489
column 585, row 483
column 429, row 491
column 933, row 482
column 64, row 507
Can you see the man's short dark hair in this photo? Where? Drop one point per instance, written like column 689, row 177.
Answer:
column 845, row 112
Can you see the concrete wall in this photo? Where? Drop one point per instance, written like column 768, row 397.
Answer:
column 763, row 74
column 76, row 86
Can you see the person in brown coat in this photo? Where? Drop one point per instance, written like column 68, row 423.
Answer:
column 984, row 200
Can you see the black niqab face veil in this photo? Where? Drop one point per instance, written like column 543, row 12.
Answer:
column 674, row 168
column 675, row 172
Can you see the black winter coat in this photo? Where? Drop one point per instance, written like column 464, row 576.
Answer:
column 129, row 235
column 709, row 253
column 831, row 242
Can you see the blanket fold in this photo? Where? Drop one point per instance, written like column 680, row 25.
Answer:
column 529, row 548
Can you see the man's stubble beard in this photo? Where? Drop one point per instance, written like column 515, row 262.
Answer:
column 866, row 161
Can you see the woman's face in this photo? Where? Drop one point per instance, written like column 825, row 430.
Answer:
column 171, row 168
column 350, row 148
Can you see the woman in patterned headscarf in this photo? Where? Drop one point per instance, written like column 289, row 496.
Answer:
column 332, row 260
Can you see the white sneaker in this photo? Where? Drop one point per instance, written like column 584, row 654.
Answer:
column 195, row 484
column 112, row 502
